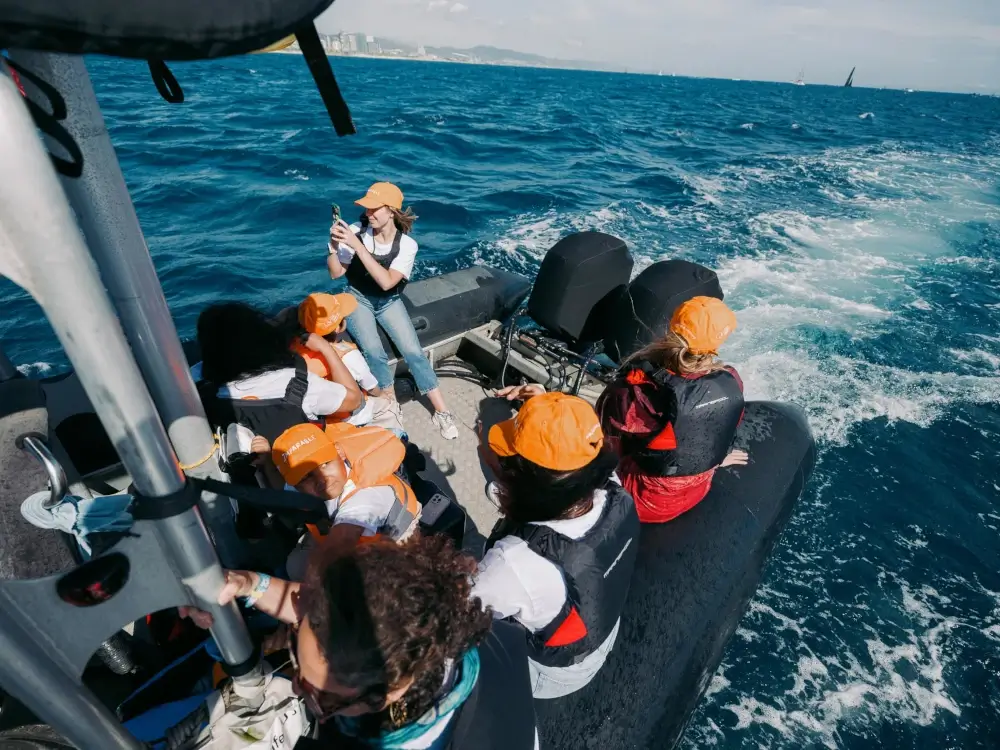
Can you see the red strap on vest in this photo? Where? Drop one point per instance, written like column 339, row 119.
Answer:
column 573, row 629
column 665, row 441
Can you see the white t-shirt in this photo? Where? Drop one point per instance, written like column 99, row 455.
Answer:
column 519, row 583
column 368, row 508
column 322, row 397
column 355, row 362
column 403, row 262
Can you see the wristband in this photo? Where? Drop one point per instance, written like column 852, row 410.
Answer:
column 263, row 582
column 331, row 250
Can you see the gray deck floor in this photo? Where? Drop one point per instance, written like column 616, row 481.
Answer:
column 454, row 465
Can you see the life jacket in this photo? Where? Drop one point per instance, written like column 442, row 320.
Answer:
column 671, row 425
column 362, row 281
column 319, row 366
column 499, row 714
column 597, row 569
column 374, row 456
column 263, row 416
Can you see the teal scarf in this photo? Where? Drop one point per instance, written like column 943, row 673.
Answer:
column 398, row 739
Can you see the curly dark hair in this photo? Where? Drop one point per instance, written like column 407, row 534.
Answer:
column 530, row 493
column 384, row 613
column 238, row 341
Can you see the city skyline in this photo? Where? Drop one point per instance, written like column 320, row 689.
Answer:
column 896, row 43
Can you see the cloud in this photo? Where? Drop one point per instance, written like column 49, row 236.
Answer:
column 459, row 8
column 435, row 4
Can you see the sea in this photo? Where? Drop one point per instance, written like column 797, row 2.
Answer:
column 856, row 233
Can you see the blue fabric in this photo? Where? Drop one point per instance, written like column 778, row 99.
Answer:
column 153, row 724
column 442, row 712
column 392, row 316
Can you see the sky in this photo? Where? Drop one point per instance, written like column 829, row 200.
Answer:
column 950, row 45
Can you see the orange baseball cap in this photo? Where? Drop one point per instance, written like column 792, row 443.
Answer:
column 322, row 313
column 382, row 194
column 301, row 449
column 554, row 430
column 704, row 323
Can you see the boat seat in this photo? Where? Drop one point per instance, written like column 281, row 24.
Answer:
column 25, row 551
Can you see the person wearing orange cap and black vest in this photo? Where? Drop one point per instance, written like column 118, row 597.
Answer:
column 353, row 470
column 673, row 411
column 376, row 256
column 326, row 315
column 560, row 560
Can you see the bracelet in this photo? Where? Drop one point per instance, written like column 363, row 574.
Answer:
column 263, row 582
column 330, row 248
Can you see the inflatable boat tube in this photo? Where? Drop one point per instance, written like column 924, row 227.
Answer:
column 693, row 581
column 453, row 303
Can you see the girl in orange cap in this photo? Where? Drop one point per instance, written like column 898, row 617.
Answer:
column 560, row 560
column 673, row 412
column 376, row 256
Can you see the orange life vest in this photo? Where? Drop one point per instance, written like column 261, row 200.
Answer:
column 317, row 365
column 373, row 455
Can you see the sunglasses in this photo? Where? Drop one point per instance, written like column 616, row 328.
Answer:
column 322, row 704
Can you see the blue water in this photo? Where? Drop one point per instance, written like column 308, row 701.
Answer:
column 856, row 235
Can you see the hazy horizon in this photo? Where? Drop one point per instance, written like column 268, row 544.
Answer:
column 897, row 43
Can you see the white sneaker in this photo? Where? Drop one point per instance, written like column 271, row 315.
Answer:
column 493, row 494
column 446, row 423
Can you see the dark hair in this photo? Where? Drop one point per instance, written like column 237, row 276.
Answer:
column 238, row 341
column 531, row 493
column 384, row 613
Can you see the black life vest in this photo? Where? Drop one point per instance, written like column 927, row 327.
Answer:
column 700, row 417
column 267, row 416
column 499, row 714
column 597, row 569
column 362, row 281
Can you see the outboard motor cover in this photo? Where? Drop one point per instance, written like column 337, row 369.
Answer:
column 581, row 277
column 643, row 313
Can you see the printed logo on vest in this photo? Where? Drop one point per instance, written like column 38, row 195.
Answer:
column 713, row 401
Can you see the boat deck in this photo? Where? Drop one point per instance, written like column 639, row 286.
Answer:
column 454, row 465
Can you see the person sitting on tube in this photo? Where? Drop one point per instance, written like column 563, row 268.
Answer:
column 559, row 561
column 376, row 257
column 673, row 411
column 326, row 315
column 251, row 377
column 388, row 649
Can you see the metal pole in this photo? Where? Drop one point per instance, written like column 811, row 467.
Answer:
column 42, row 251
column 29, row 674
column 107, row 217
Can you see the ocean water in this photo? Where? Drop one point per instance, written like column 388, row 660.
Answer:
column 855, row 233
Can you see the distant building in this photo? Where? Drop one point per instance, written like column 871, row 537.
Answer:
column 421, row 50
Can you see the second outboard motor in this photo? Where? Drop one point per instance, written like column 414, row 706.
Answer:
column 642, row 314
column 581, row 277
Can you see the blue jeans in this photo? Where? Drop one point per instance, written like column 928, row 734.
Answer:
column 392, row 316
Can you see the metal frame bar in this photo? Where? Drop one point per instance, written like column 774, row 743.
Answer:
column 42, row 250
column 104, row 210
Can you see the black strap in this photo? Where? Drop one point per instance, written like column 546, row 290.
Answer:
column 295, row 393
column 166, row 506
column 306, row 508
column 49, row 122
column 165, row 81
column 326, row 82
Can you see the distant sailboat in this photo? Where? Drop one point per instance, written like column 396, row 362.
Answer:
column 801, row 80
column 850, row 79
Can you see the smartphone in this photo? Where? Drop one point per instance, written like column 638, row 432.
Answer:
column 335, row 210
